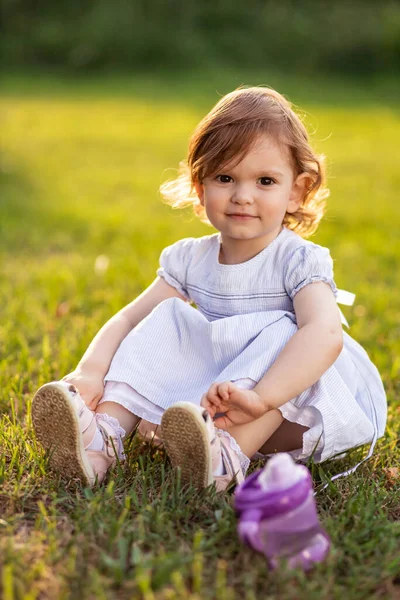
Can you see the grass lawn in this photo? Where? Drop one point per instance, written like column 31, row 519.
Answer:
column 81, row 163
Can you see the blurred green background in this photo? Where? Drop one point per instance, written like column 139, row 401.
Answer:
column 360, row 36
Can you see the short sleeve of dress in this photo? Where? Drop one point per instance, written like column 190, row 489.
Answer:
column 174, row 262
column 309, row 264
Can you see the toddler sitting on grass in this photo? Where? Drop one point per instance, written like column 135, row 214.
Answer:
column 261, row 364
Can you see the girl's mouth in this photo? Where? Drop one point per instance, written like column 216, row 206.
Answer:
column 241, row 216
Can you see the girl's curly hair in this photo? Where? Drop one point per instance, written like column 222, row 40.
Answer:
column 228, row 132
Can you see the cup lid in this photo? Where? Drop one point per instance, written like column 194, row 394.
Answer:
column 280, row 473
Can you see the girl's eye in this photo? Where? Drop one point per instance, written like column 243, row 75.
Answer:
column 266, row 181
column 224, row 178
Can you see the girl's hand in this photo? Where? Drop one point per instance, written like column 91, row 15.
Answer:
column 240, row 406
column 90, row 386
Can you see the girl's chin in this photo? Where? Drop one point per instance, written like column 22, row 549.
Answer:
column 263, row 238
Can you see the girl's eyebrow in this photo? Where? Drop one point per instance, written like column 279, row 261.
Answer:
column 272, row 172
column 261, row 173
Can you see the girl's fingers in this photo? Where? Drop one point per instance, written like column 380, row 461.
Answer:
column 212, row 395
column 224, row 390
column 204, row 403
column 209, row 405
column 212, row 411
column 223, row 422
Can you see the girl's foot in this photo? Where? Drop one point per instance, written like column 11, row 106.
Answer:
column 67, row 428
column 196, row 446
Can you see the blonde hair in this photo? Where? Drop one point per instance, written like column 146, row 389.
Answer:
column 228, row 132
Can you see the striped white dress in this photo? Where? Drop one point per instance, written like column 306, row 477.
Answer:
column 244, row 318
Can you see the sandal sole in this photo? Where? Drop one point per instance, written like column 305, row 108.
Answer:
column 186, row 441
column 57, row 428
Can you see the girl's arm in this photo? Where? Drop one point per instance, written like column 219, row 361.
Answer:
column 310, row 352
column 100, row 352
column 305, row 358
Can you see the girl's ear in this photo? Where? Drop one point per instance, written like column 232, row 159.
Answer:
column 199, row 191
column 299, row 189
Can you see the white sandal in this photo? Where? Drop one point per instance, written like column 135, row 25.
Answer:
column 194, row 445
column 65, row 427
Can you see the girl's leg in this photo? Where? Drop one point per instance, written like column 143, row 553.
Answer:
column 125, row 418
column 251, row 436
column 270, row 433
column 207, row 454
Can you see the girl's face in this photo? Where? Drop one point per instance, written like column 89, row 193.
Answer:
column 248, row 202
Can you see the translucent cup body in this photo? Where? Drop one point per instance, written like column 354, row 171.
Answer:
column 295, row 536
column 282, row 524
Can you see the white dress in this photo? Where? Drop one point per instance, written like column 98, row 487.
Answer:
column 244, row 318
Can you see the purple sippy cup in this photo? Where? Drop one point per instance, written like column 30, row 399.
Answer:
column 278, row 515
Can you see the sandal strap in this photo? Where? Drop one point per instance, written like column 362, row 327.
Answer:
column 112, row 442
column 231, row 460
column 86, row 417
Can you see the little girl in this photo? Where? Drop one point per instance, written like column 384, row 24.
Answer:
column 260, row 364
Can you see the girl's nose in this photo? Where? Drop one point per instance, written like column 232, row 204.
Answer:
column 242, row 195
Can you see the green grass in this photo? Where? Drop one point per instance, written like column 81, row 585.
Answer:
column 81, row 163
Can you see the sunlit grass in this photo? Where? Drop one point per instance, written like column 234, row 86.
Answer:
column 80, row 171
